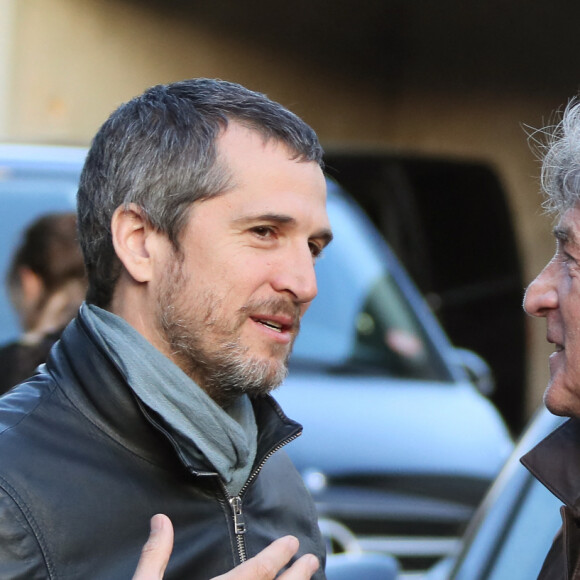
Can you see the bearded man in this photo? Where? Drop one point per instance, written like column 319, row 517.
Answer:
column 201, row 212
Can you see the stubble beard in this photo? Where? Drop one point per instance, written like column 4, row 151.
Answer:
column 209, row 348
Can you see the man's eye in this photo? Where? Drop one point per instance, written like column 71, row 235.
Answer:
column 566, row 257
column 263, row 231
column 315, row 250
column 569, row 261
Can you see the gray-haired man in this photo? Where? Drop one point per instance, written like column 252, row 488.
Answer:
column 201, row 211
column 555, row 296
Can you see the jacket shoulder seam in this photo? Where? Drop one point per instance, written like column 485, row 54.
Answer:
column 30, row 520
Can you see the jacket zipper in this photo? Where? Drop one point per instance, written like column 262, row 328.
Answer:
column 239, row 526
column 236, row 501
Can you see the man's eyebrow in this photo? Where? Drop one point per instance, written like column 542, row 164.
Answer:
column 266, row 217
column 325, row 234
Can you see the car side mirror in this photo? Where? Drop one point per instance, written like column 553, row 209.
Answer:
column 477, row 369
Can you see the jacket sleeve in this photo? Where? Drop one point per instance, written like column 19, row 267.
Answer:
column 21, row 556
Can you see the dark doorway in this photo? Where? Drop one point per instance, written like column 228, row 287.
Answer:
column 450, row 224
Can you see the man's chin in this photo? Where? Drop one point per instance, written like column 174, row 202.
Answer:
column 253, row 376
column 558, row 403
column 269, row 381
column 261, row 390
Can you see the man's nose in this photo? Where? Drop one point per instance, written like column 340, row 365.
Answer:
column 295, row 274
column 542, row 295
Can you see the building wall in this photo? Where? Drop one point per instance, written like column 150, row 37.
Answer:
column 65, row 64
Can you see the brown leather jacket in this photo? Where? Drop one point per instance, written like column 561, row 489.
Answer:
column 555, row 462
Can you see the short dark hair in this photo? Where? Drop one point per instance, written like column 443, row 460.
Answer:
column 49, row 248
column 158, row 151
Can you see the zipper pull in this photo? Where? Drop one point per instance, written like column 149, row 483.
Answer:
column 239, row 524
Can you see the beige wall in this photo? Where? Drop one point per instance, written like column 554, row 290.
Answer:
column 6, row 61
column 68, row 63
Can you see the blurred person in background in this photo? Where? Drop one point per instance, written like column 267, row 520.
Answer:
column 201, row 212
column 555, row 296
column 46, row 283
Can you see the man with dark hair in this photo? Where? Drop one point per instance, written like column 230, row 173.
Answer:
column 555, row 296
column 47, row 284
column 202, row 210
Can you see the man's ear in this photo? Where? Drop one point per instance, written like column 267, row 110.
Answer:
column 132, row 232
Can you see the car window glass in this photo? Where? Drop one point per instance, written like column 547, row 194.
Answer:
column 361, row 321
column 529, row 537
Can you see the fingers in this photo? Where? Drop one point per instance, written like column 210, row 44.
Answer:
column 266, row 564
column 156, row 551
column 302, row 569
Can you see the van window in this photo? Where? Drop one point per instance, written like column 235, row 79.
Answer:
column 361, row 320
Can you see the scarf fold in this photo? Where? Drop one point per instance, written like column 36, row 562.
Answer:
column 222, row 439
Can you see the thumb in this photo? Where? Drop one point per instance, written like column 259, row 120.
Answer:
column 156, row 551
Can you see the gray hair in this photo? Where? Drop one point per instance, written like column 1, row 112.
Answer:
column 158, row 151
column 559, row 148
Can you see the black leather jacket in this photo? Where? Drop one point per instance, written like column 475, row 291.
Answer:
column 83, row 467
column 555, row 462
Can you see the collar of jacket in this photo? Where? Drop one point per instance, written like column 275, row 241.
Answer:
column 555, row 462
column 98, row 390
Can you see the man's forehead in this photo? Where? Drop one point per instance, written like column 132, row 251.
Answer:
column 282, row 206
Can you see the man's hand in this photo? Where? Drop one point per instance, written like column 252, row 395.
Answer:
column 264, row 566
column 156, row 551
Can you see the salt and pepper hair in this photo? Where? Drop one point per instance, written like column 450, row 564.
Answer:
column 559, row 148
column 158, row 151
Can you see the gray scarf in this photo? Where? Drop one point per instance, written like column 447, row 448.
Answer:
column 226, row 439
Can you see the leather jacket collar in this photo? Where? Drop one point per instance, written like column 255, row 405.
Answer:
column 104, row 397
column 555, row 462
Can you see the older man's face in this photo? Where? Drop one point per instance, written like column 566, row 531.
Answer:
column 230, row 309
column 555, row 296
